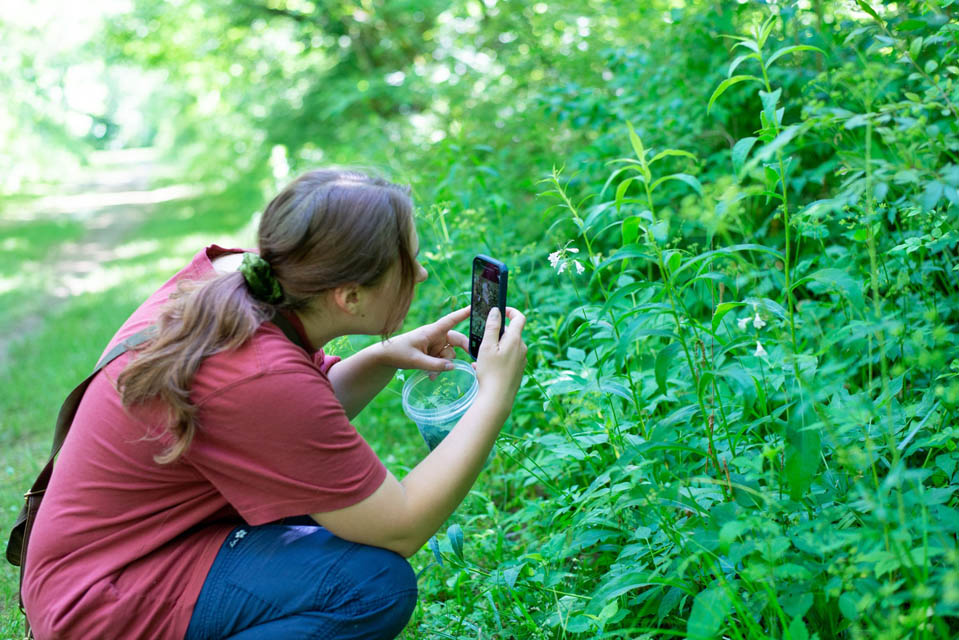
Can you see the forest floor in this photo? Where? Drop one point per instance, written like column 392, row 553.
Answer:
column 103, row 206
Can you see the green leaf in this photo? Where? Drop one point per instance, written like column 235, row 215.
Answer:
column 710, row 609
column 638, row 147
column 673, row 152
column 673, row 260
column 510, row 574
column 770, row 100
column 660, row 231
column 663, row 359
column 910, row 25
column 435, row 548
column 792, row 49
column 741, row 151
column 836, row 279
column 797, row 630
column 797, row 605
column 620, row 192
column 915, row 48
column 721, row 310
column 738, row 61
column 616, row 585
column 682, row 177
column 770, row 149
column 932, row 194
column 709, row 256
column 847, row 605
column 626, row 253
column 669, row 602
column 766, row 29
column 631, row 227
column 868, row 9
column 455, row 535
column 803, row 450
column 725, row 84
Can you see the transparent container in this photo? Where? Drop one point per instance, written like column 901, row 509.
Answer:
column 437, row 405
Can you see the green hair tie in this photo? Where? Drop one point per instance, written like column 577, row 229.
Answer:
column 260, row 280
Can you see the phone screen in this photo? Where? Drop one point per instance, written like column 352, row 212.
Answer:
column 489, row 290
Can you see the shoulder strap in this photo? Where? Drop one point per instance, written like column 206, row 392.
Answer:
column 68, row 410
column 289, row 330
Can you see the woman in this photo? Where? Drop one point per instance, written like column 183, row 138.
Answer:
column 212, row 485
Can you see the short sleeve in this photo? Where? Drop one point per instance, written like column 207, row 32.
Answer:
column 280, row 444
column 323, row 362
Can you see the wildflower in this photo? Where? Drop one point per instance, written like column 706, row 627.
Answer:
column 742, row 322
column 554, row 258
column 760, row 352
column 758, row 322
column 559, row 260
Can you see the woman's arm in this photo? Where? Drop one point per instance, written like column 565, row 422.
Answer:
column 402, row 516
column 356, row 380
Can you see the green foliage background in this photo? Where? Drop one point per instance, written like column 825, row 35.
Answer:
column 733, row 227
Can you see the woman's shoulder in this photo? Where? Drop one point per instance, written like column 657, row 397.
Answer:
column 265, row 360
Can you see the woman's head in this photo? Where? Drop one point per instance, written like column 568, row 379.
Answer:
column 329, row 231
column 334, row 227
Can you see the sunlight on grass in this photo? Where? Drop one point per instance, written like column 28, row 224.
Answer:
column 83, row 204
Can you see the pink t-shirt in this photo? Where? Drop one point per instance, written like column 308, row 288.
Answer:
column 122, row 545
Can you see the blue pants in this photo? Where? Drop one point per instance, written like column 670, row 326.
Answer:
column 301, row 581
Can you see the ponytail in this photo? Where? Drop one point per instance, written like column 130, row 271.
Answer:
column 328, row 228
column 201, row 319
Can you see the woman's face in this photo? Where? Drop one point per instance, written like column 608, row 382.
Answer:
column 388, row 295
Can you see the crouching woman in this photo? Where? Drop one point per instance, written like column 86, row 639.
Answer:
column 212, row 484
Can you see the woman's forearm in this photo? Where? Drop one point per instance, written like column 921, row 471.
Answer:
column 401, row 516
column 357, row 379
column 440, row 482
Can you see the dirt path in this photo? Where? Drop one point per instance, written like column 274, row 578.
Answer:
column 111, row 199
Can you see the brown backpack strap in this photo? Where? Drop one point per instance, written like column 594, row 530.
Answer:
column 20, row 534
column 280, row 320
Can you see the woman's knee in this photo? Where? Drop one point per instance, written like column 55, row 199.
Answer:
column 386, row 585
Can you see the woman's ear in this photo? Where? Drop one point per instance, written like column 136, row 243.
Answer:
column 348, row 299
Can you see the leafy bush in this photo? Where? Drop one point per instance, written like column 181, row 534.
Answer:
column 733, row 226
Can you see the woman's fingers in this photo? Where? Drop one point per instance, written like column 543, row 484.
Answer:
column 457, row 339
column 516, row 321
column 450, row 320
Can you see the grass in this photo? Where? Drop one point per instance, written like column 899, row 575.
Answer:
column 46, row 362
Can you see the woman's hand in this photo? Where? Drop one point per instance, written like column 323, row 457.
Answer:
column 502, row 359
column 429, row 347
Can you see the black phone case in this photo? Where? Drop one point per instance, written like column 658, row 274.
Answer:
column 503, row 281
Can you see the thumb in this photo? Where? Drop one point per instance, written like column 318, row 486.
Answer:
column 493, row 322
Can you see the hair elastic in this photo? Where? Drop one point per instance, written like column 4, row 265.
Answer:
column 260, row 280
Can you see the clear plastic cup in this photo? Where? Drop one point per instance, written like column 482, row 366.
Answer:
column 437, row 405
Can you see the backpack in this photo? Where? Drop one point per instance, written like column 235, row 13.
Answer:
column 20, row 534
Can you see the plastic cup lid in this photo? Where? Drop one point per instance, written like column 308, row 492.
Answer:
column 448, row 391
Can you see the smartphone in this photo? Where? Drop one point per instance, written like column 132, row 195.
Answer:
column 489, row 290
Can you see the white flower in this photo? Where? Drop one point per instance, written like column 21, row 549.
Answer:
column 742, row 322
column 760, row 352
column 561, row 261
column 758, row 322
